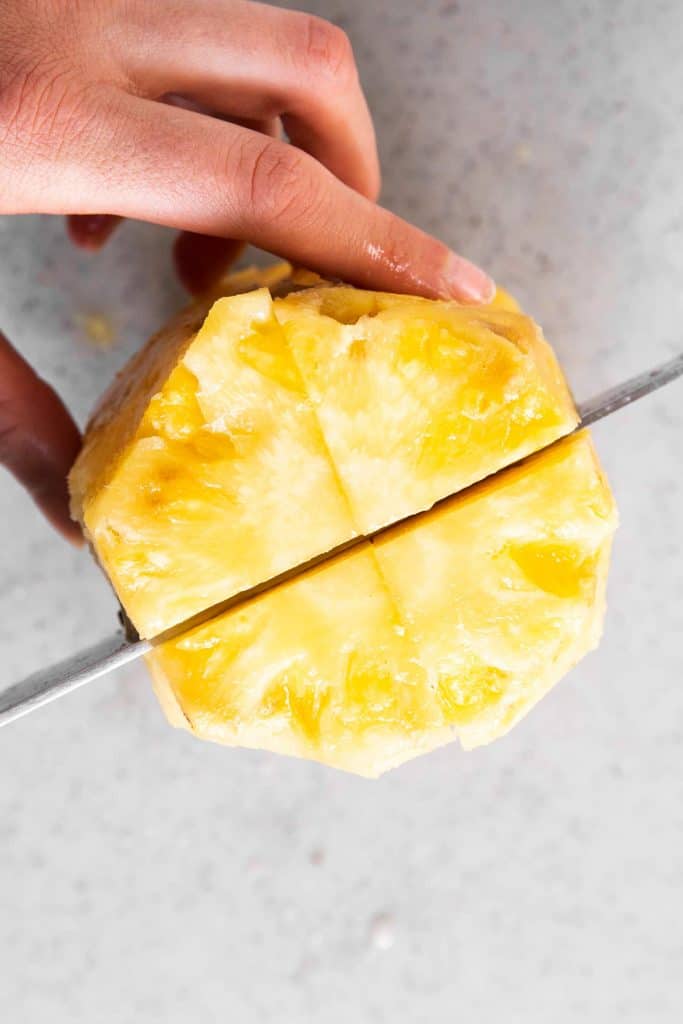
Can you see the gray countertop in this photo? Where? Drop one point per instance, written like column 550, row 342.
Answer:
column 149, row 877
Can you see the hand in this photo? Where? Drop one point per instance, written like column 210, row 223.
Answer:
column 83, row 132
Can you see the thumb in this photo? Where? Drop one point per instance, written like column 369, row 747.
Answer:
column 38, row 438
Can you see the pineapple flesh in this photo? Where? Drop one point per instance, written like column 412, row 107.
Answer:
column 226, row 480
column 283, row 417
column 318, row 667
column 502, row 588
column 451, row 625
column 418, row 399
column 240, row 444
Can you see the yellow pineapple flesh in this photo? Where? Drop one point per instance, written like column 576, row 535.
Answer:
column 453, row 624
column 502, row 588
column 418, row 399
column 240, row 444
column 318, row 667
column 224, row 481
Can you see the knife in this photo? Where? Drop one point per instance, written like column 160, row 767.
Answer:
column 120, row 649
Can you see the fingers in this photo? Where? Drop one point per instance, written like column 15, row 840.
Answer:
column 119, row 153
column 91, row 231
column 199, row 174
column 38, row 438
column 254, row 61
column 201, row 260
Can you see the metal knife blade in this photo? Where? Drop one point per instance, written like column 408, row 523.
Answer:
column 48, row 684
column 642, row 384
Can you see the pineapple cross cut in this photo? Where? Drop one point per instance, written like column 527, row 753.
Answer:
column 240, row 444
column 259, row 432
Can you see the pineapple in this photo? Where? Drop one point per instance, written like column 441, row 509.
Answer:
column 251, row 437
column 451, row 625
column 417, row 399
column 502, row 588
column 283, row 418
column 211, row 474
column 318, row 667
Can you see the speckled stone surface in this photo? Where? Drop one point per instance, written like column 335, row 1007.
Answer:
column 147, row 877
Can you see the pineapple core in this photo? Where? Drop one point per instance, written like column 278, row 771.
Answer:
column 273, row 426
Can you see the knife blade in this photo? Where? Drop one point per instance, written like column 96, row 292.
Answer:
column 48, row 684
column 610, row 401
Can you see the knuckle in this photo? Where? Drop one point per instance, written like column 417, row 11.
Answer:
column 327, row 48
column 274, row 182
column 14, row 85
column 38, row 104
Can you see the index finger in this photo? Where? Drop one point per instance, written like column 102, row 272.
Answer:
column 196, row 173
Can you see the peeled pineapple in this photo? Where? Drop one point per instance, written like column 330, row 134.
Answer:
column 240, row 444
column 418, row 399
column 453, row 624
column 293, row 416
column 225, row 480
column 318, row 667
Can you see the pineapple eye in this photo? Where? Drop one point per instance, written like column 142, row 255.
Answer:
column 347, row 306
column 564, row 570
column 472, row 691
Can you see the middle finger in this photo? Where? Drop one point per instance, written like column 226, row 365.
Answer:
column 250, row 60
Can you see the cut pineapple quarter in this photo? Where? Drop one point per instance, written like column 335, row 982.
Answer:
column 451, row 625
column 418, row 399
column 252, row 436
column 284, row 417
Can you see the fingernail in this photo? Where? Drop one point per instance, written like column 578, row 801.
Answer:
column 465, row 282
